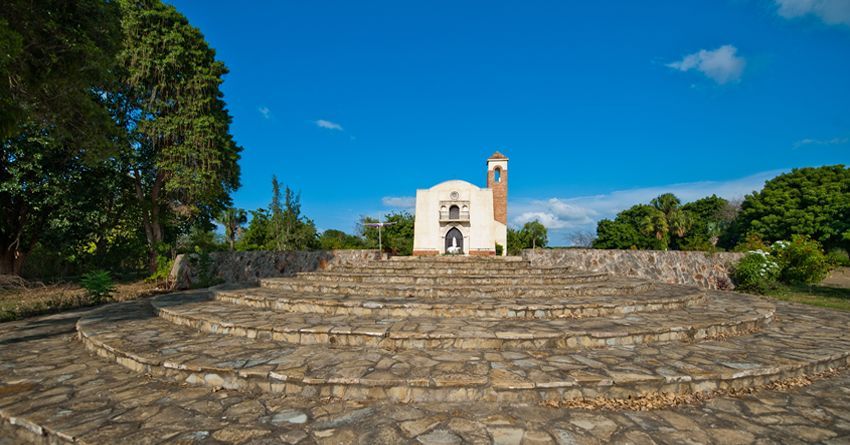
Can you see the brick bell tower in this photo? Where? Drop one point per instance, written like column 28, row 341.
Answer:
column 497, row 180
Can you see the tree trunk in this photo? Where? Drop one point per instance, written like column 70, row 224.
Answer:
column 7, row 262
column 150, row 218
column 11, row 262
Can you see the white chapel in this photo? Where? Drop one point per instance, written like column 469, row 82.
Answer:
column 456, row 217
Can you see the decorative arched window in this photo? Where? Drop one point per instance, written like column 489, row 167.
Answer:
column 454, row 212
column 497, row 174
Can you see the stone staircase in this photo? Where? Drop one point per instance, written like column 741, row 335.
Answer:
column 457, row 329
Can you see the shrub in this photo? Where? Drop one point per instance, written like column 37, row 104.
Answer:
column 499, row 249
column 838, row 257
column 802, row 260
column 758, row 272
column 202, row 261
column 751, row 243
column 98, row 285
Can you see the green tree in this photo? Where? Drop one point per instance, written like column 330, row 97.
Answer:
column 290, row 230
column 532, row 234
column 814, row 202
column 257, row 235
column 276, row 218
column 663, row 224
column 232, row 219
column 711, row 218
column 396, row 238
column 183, row 159
column 617, row 234
column 337, row 239
column 56, row 57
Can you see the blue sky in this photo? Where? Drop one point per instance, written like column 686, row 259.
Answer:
column 599, row 105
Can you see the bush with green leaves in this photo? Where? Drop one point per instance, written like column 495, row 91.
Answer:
column 98, row 285
column 758, row 272
column 802, row 260
column 838, row 257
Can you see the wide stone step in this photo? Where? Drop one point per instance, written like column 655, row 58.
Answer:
column 720, row 316
column 660, row 298
column 457, row 259
column 608, row 287
column 134, row 337
column 451, row 280
column 449, row 269
column 53, row 391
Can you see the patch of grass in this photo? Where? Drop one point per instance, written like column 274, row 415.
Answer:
column 26, row 302
column 815, row 295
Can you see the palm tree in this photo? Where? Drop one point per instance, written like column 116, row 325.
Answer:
column 232, row 219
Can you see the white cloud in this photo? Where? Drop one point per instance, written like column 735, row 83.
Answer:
column 832, row 12
column 557, row 214
column 563, row 216
column 405, row 202
column 266, row 112
column 833, row 141
column 721, row 65
column 321, row 123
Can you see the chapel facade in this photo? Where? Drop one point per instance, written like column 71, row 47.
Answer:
column 456, row 217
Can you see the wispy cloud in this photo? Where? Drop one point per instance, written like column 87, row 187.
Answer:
column 265, row 112
column 563, row 216
column 831, row 12
column 404, row 202
column 321, row 123
column 721, row 65
column 833, row 141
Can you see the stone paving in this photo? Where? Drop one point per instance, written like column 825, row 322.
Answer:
column 53, row 391
column 391, row 357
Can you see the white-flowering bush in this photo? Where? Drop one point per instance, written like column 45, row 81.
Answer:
column 758, row 271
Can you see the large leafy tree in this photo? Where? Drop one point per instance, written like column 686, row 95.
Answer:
column 532, row 234
column 183, row 160
column 814, row 202
column 639, row 227
column 710, row 219
column 396, row 238
column 332, row 239
column 666, row 223
column 56, row 59
column 258, row 234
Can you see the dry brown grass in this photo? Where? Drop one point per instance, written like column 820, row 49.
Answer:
column 21, row 299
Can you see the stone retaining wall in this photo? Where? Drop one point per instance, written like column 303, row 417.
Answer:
column 706, row 270
column 249, row 267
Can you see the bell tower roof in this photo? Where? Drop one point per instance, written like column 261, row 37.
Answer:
column 497, row 157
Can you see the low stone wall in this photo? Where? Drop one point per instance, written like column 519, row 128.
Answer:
column 249, row 267
column 706, row 270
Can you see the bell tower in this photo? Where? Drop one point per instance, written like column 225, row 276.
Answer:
column 497, row 180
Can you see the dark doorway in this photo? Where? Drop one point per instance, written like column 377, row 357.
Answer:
column 454, row 239
column 454, row 212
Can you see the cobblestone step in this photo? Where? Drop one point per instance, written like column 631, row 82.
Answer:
column 460, row 292
column 459, row 259
column 660, row 298
column 805, row 341
column 53, row 391
column 516, row 279
column 387, row 267
column 719, row 317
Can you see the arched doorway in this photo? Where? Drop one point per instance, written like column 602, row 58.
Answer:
column 454, row 241
column 454, row 212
